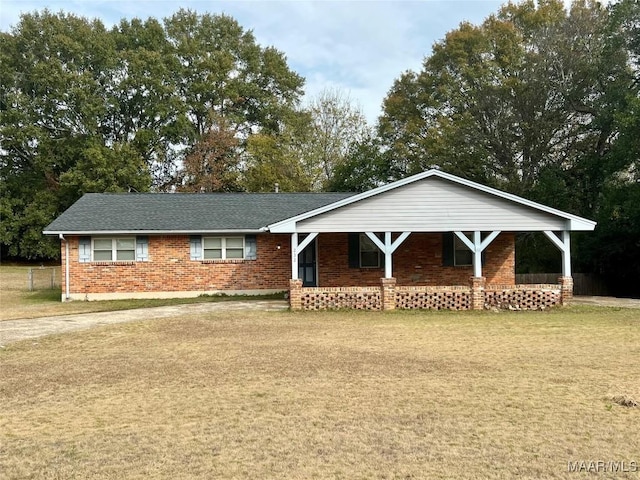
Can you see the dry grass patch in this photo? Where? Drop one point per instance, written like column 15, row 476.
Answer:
column 325, row 395
column 18, row 302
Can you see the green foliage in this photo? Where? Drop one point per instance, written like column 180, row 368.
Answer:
column 274, row 159
column 311, row 148
column 538, row 101
column 86, row 109
column 336, row 127
column 364, row 167
column 218, row 67
column 503, row 102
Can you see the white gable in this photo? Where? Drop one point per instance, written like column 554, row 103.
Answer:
column 433, row 202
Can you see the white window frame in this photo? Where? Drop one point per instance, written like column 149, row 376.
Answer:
column 114, row 249
column 363, row 236
column 223, row 248
column 458, row 245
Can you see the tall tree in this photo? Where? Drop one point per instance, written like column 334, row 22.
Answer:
column 83, row 108
column 54, row 109
column 277, row 158
column 505, row 101
column 146, row 110
column 337, row 125
column 536, row 100
column 218, row 67
column 312, row 144
column 212, row 164
column 365, row 167
column 613, row 250
column 227, row 83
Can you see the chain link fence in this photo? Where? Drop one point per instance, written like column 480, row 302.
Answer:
column 43, row 278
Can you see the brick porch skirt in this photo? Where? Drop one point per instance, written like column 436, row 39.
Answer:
column 389, row 296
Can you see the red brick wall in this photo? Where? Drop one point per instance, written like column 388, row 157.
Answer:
column 170, row 269
column 418, row 261
column 500, row 260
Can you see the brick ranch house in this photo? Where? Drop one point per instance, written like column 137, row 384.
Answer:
column 432, row 240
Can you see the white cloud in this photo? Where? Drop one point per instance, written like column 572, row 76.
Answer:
column 359, row 47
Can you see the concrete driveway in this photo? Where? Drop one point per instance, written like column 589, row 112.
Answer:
column 16, row 330
column 607, row 301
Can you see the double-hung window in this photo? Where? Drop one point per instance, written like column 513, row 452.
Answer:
column 455, row 252
column 114, row 249
column 462, row 256
column 223, row 248
column 369, row 253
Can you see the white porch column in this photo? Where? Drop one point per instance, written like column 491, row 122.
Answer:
column 297, row 248
column 477, row 255
column 477, row 247
column 566, row 254
column 388, row 247
column 388, row 257
column 564, row 244
column 294, row 256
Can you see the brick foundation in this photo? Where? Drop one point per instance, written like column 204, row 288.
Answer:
column 477, row 292
column 388, row 289
column 566, row 290
column 433, row 298
column 331, row 298
column 389, row 296
column 522, row 297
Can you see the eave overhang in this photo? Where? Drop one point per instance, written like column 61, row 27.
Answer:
column 152, row 232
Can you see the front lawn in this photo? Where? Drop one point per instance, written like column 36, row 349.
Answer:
column 327, row 395
column 18, row 302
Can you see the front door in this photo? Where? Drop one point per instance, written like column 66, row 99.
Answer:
column 307, row 265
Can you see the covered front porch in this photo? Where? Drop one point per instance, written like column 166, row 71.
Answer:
column 432, row 240
column 416, row 271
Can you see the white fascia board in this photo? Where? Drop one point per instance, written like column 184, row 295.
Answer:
column 574, row 222
column 582, row 224
column 149, row 232
column 284, row 226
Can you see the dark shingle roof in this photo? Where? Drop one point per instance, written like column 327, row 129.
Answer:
column 185, row 212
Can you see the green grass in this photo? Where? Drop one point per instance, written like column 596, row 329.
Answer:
column 47, row 303
column 43, row 296
column 18, row 302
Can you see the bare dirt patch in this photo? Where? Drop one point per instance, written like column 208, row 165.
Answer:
column 625, row 401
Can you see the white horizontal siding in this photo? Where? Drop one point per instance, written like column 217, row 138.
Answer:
column 433, row 205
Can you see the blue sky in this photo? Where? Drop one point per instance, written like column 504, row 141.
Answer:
column 358, row 47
